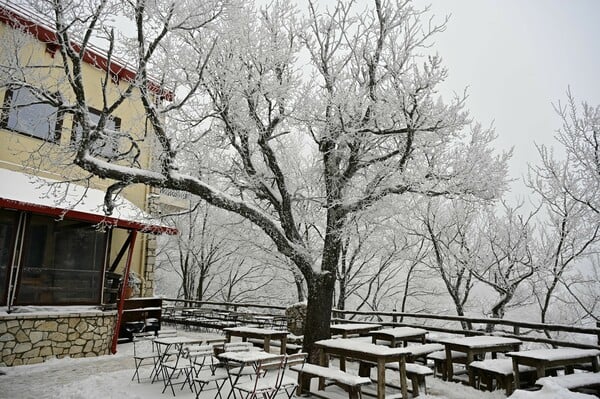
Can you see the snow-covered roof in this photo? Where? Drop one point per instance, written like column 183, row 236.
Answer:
column 70, row 201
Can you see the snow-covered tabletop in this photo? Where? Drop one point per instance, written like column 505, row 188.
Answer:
column 254, row 330
column 555, row 354
column 353, row 345
column 562, row 357
column 477, row 345
column 482, row 341
column 261, row 333
column 246, row 356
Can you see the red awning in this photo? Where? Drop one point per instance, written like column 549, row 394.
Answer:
column 30, row 193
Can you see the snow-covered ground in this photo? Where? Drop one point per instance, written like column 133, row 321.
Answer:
column 110, row 377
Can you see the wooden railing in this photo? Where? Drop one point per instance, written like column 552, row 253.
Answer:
column 525, row 331
column 556, row 335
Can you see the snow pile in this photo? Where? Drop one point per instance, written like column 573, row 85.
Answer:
column 550, row 390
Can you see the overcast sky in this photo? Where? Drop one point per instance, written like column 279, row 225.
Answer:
column 517, row 57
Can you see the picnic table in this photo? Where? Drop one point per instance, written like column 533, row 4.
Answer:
column 479, row 345
column 542, row 359
column 368, row 353
column 399, row 335
column 352, row 328
column 262, row 333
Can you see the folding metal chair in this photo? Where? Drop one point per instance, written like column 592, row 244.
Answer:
column 144, row 354
column 173, row 369
column 207, row 368
column 289, row 382
column 267, row 379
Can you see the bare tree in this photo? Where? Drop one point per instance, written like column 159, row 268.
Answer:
column 365, row 103
column 201, row 246
column 446, row 226
column 569, row 190
column 503, row 258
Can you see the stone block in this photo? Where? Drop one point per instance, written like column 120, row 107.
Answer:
column 23, row 347
column 6, row 337
column 63, row 328
column 81, row 327
column 48, row 325
column 46, row 351
column 57, row 337
column 35, row 352
column 20, row 336
column 75, row 349
column 27, row 324
column 36, row 336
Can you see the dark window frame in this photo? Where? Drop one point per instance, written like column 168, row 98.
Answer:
column 52, row 137
column 18, row 301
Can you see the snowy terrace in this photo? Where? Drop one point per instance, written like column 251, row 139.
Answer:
column 111, row 377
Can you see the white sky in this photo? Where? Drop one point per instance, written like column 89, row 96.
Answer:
column 517, row 57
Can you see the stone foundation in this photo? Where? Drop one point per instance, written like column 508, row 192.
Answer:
column 29, row 338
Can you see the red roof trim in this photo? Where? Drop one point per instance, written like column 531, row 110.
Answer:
column 86, row 217
column 46, row 35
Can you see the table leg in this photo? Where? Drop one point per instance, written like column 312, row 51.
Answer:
column 541, row 371
column 595, row 365
column 381, row 379
column 403, row 380
column 517, row 379
column 227, row 336
column 323, row 361
column 470, row 357
column 283, row 348
column 342, row 358
column 449, row 366
column 267, row 344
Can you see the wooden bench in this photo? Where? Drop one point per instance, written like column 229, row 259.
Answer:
column 416, row 373
column 573, row 382
column 439, row 361
column 500, row 371
column 350, row 383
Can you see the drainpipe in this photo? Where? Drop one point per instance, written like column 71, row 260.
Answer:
column 132, row 235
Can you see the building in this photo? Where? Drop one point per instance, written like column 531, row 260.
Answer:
column 60, row 255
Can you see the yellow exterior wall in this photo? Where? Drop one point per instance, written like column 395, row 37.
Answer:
column 35, row 156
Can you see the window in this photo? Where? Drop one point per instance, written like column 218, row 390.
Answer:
column 27, row 114
column 107, row 147
column 62, row 263
column 8, row 229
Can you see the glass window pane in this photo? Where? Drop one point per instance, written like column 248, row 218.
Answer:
column 104, row 147
column 63, row 263
column 27, row 115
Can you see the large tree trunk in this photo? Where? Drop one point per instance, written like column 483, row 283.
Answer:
column 318, row 312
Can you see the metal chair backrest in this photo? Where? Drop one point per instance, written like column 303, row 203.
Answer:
column 272, row 369
column 296, row 359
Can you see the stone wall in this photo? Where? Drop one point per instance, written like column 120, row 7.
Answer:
column 29, row 338
column 296, row 316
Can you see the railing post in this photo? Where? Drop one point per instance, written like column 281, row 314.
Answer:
column 394, row 317
column 598, row 334
column 516, row 330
